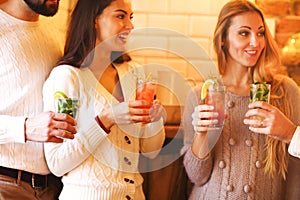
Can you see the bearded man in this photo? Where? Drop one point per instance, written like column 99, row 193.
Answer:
column 28, row 52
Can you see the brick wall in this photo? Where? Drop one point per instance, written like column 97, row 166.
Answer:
column 193, row 19
column 287, row 16
column 196, row 20
column 192, row 22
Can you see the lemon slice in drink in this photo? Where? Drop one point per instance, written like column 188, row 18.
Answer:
column 60, row 94
column 205, row 87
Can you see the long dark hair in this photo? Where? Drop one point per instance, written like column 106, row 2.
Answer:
column 81, row 35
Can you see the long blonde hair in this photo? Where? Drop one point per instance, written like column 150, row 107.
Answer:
column 267, row 68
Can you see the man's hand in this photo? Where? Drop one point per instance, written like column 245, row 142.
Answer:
column 50, row 127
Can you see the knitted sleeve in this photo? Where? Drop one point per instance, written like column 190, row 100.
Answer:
column 63, row 157
column 12, row 129
column 198, row 170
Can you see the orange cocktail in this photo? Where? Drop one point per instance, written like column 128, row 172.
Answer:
column 145, row 90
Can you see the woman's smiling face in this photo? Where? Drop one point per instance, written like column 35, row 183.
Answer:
column 114, row 25
column 245, row 39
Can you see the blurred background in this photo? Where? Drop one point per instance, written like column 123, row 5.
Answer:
column 196, row 20
column 181, row 56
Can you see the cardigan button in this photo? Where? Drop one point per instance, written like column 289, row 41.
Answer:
column 222, row 164
column 127, row 161
column 258, row 164
column 127, row 139
column 249, row 143
column 247, row 188
column 229, row 188
column 127, row 180
column 230, row 104
column 231, row 141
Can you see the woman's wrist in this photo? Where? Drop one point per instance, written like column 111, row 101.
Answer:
column 200, row 146
column 102, row 124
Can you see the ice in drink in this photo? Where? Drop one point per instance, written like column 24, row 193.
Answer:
column 145, row 90
column 216, row 98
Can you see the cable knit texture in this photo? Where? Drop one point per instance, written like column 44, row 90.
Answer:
column 28, row 52
column 234, row 169
column 96, row 165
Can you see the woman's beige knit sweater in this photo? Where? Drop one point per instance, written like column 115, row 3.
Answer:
column 234, row 169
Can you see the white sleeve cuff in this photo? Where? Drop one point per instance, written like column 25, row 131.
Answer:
column 12, row 129
column 92, row 135
column 294, row 147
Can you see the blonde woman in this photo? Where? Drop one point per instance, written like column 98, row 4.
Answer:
column 242, row 164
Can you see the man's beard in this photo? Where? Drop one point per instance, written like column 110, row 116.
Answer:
column 43, row 9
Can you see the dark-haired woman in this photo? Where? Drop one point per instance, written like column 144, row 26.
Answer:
column 113, row 128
